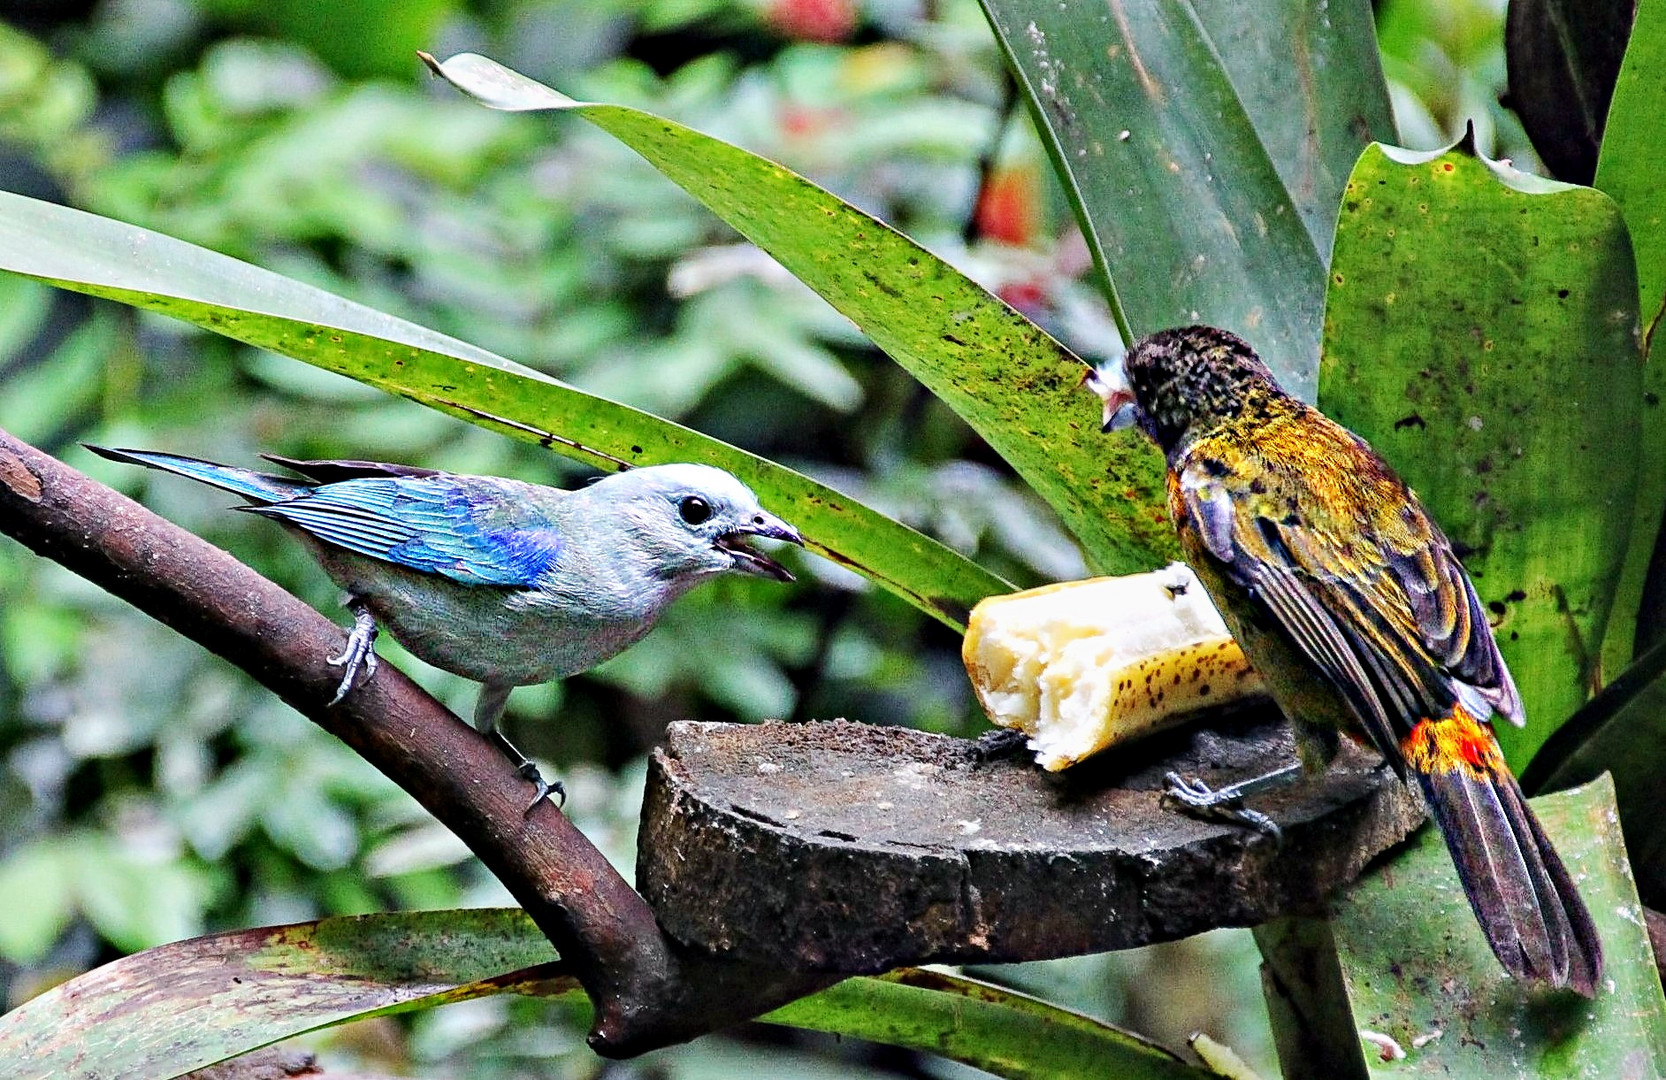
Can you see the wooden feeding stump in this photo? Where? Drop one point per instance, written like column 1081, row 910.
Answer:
column 844, row 847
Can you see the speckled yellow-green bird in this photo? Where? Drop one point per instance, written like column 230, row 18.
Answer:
column 1349, row 601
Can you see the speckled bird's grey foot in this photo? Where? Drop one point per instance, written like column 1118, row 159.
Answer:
column 529, row 771
column 360, row 651
column 1195, row 797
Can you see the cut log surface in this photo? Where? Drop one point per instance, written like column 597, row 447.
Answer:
column 844, row 847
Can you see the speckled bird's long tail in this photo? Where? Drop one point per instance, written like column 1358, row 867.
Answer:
column 1521, row 893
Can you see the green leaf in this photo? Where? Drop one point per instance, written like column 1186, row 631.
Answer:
column 1621, row 732
column 1311, row 81
column 988, row 1027
column 194, row 1003
column 44, row 872
column 1177, row 196
column 1481, row 334
column 1017, row 387
column 1629, row 166
column 1628, row 169
column 187, row 1005
column 106, row 258
column 1416, row 963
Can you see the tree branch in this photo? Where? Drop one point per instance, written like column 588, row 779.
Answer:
column 648, row 991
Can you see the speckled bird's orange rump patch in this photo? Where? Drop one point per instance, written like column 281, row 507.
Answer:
column 1455, row 742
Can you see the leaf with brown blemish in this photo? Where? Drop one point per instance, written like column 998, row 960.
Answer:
column 184, row 1006
column 106, row 258
column 1480, row 333
column 1015, row 385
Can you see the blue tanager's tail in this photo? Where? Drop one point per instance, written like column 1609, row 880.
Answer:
column 257, row 487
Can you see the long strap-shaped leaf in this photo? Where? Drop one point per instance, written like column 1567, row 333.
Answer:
column 184, row 1006
column 106, row 258
column 1628, row 169
column 1176, row 192
column 1004, row 375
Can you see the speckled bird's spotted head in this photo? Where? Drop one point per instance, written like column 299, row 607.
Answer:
column 1174, row 379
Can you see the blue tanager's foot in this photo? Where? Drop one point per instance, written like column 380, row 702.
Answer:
column 1227, row 803
column 541, row 787
column 523, row 765
column 360, row 651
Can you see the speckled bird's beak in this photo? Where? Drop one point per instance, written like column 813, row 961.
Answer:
column 1111, row 385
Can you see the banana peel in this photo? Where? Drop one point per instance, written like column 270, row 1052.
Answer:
column 1084, row 665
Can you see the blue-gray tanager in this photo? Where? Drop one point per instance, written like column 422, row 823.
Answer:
column 503, row 582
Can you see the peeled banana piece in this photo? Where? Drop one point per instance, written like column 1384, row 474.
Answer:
column 1084, row 665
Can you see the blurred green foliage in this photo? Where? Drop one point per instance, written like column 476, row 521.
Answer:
column 1445, row 68
column 149, row 792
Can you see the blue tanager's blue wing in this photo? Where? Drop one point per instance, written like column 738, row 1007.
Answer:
column 476, row 530
column 471, row 530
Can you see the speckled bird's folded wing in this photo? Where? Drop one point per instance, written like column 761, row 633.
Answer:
column 467, row 529
column 1450, row 620
column 1383, row 610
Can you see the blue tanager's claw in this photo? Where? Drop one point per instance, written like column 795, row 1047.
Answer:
column 360, row 650
column 542, row 788
column 525, row 767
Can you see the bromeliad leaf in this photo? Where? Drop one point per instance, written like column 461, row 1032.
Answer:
column 96, row 255
column 1311, row 81
column 1480, row 332
column 184, row 1006
column 1014, row 384
column 1420, row 974
column 988, row 1027
column 1174, row 181
column 1628, row 169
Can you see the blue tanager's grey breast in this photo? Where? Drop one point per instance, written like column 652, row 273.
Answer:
column 503, row 582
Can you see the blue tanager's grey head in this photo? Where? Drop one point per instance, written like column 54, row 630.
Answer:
column 692, row 520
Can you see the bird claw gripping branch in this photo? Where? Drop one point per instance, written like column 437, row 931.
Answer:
column 360, row 650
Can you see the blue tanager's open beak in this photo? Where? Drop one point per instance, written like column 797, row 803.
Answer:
column 749, row 561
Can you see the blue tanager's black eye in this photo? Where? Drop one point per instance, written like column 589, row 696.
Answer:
column 694, row 509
